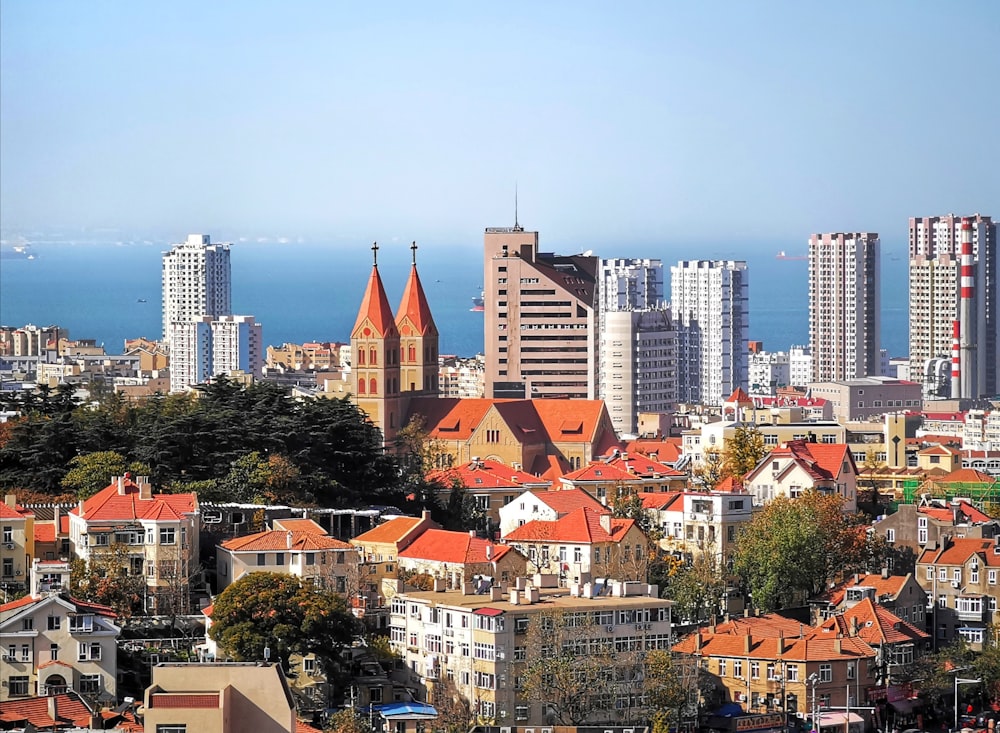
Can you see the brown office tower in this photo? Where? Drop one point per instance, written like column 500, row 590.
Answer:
column 540, row 318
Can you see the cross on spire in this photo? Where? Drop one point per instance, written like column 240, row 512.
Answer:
column 375, row 253
column 414, row 248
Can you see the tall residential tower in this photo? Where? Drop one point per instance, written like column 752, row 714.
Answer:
column 844, row 306
column 196, row 281
column 710, row 304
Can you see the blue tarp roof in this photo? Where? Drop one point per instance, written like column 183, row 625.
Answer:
column 410, row 710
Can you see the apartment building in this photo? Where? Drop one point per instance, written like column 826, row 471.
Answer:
column 540, row 319
column 844, row 305
column 713, row 435
column 798, row 466
column 858, row 399
column 159, row 533
column 937, row 285
column 205, row 346
column 767, row 371
column 624, row 473
column 710, row 302
column 900, row 595
column 17, row 545
column 462, row 377
column 197, row 281
column 913, row 527
column 480, row 643
column 52, row 643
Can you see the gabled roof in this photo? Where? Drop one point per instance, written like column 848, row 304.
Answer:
column 739, row 396
column 958, row 551
column 667, row 450
column 390, row 532
column 643, row 466
column 873, row 623
column 375, row 315
column 600, row 472
column 414, row 312
column 570, row 421
column 62, row 600
column 821, row 461
column 947, row 513
column 278, row 540
column 662, row 500
column 9, row 512
column 108, row 505
column 767, row 648
column 485, row 474
column 582, row 526
column 568, row 500
column 890, row 586
column 768, row 625
column 450, row 418
column 729, row 485
column 298, row 525
column 967, row 476
column 453, row 547
column 549, row 467
column 45, row 532
column 71, row 711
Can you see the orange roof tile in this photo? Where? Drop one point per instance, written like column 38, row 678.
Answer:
column 299, row 525
column 9, row 512
column 278, row 539
column 414, row 312
column 730, row 484
column 388, row 532
column 874, row 624
column 549, row 467
column 959, row 550
column 740, row 397
column 644, row 466
column 768, row 625
column 890, row 586
column 485, row 474
column 667, row 450
column 582, row 526
column 799, row 650
column 599, row 471
column 453, row 547
column 947, row 514
column 184, row 700
column 70, row 709
column 45, row 532
column 568, row 500
column 108, row 505
column 374, row 315
column 662, row 500
column 967, row 476
column 450, row 418
column 570, row 421
column 23, row 601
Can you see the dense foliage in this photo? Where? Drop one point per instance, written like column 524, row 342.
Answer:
column 793, row 548
column 230, row 441
column 283, row 613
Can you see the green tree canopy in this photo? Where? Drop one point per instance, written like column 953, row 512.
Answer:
column 793, row 548
column 283, row 613
column 92, row 472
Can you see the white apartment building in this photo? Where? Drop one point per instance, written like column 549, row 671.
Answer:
column 935, row 274
column 631, row 284
column 196, row 281
column 710, row 305
column 844, row 305
column 637, row 365
column 203, row 347
column 767, row 371
column 981, row 430
column 800, row 364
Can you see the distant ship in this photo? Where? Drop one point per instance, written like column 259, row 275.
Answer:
column 141, row 300
column 477, row 302
column 782, row 256
column 17, row 252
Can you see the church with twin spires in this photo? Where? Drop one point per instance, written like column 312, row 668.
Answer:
column 395, row 357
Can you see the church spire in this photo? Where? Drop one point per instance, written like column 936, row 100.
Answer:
column 375, row 309
column 413, row 307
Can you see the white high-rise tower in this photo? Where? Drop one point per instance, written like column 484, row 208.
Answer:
column 196, row 281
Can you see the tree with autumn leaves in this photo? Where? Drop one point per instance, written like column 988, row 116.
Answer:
column 737, row 457
column 794, row 548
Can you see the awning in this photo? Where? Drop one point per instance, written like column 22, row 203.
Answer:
column 831, row 719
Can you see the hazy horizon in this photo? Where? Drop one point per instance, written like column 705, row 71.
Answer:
column 642, row 122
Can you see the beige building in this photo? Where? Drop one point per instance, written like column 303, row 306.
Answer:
column 51, row 643
column 480, row 642
column 857, row 399
column 539, row 319
column 460, row 557
column 491, row 484
column 17, row 545
column 798, row 466
column 226, row 697
column 158, row 533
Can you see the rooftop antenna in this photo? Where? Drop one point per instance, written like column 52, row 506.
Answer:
column 414, row 248
column 517, row 227
column 375, row 254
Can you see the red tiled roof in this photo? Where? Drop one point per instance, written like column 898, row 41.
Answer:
column 184, row 700
column 570, row 421
column 301, row 727
column 453, row 547
column 582, row 526
column 568, row 500
column 644, row 466
column 19, row 603
column 730, row 484
column 769, row 625
column 51, row 662
column 662, row 500
column 374, row 311
column 740, row 397
column 70, row 709
column 450, row 418
column 890, row 586
column 799, row 650
column 45, row 532
column 63, row 524
column 9, row 512
column 108, row 505
column 485, row 474
column 277, row 540
column 549, row 467
column 967, row 476
column 299, row 525
column 207, row 610
column 667, row 450
column 947, row 513
column 937, row 450
column 822, row 461
column 874, row 624
column 599, row 471
column 414, row 312
column 958, row 551
column 388, row 532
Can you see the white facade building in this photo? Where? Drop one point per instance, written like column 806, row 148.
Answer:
column 631, row 284
column 204, row 347
column 767, row 371
column 196, row 281
column 844, row 306
column 710, row 305
column 800, row 364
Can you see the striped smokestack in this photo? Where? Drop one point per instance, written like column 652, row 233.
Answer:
column 956, row 368
column 967, row 334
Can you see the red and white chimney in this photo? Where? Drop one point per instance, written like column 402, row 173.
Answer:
column 966, row 312
column 956, row 359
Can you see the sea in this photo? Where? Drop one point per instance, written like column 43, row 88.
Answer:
column 310, row 291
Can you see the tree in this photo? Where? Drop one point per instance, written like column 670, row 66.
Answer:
column 108, row 578
column 710, row 472
column 697, row 588
column 743, row 452
column 454, row 711
column 91, row 472
column 283, row 613
column 348, row 721
column 667, row 688
column 793, row 548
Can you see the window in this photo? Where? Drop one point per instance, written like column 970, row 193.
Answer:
column 792, row 670
column 754, row 670
column 18, row 686
column 87, row 651
column 890, row 536
column 722, row 668
column 521, row 712
column 167, row 535
column 279, row 558
column 738, row 669
column 991, row 577
column 84, row 624
column 826, row 673
column 930, row 573
column 53, row 623
column 851, row 670
column 27, row 624
column 971, row 636
column 8, row 534
column 171, row 728
column 309, row 665
column 90, row 684
column 261, row 558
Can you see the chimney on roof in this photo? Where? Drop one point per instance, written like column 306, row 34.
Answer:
column 781, row 642
column 121, row 486
column 80, row 509
column 53, row 707
column 698, row 641
column 747, row 644
column 885, row 572
column 857, row 578
column 10, row 500
column 854, row 625
column 837, row 645
column 472, row 533
column 145, row 489
column 425, row 514
column 605, row 520
column 288, row 539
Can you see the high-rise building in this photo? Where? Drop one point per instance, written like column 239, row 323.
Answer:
column 206, row 346
column 941, row 297
column 540, row 319
column 709, row 300
column 844, row 306
column 196, row 281
column 636, row 342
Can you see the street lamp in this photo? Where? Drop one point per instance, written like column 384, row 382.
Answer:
column 812, row 680
column 960, row 681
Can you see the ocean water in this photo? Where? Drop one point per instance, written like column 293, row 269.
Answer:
column 310, row 292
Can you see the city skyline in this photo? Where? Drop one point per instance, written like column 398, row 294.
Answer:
column 638, row 123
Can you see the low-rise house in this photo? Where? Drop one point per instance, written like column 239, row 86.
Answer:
column 712, row 522
column 900, row 595
column 52, row 643
column 798, row 466
column 63, row 711
column 962, row 577
column 17, row 545
column 459, row 557
column 308, row 553
column 157, row 532
column 491, row 484
column 583, row 545
column 379, row 549
column 546, row 506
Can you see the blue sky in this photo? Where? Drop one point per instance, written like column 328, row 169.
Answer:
column 641, row 122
